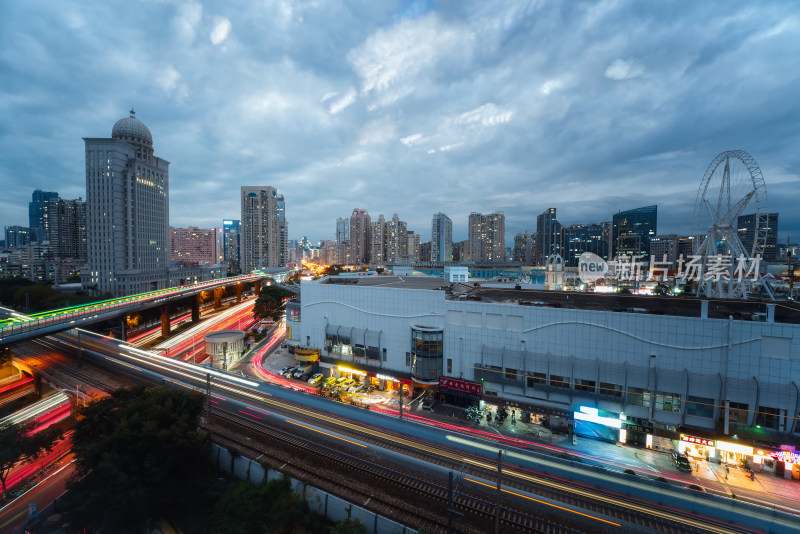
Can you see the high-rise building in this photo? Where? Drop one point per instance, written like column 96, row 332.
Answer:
column 580, row 238
column 396, row 239
column 377, row 240
column 18, row 236
column 68, row 229
column 359, row 237
column 40, row 209
column 549, row 236
column 664, row 249
column 193, row 245
column 327, row 252
column 632, row 231
column 461, row 251
column 127, row 211
column 487, row 237
column 230, row 245
column 283, row 231
column 413, row 246
column 425, row 249
column 441, row 239
column 342, row 230
column 747, row 229
column 523, row 248
column 261, row 234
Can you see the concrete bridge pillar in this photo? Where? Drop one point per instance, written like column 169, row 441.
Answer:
column 196, row 309
column 257, row 287
column 218, row 292
column 238, row 293
column 165, row 321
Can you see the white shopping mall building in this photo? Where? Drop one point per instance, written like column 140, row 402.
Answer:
column 622, row 367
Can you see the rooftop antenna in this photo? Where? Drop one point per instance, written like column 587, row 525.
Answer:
column 133, row 113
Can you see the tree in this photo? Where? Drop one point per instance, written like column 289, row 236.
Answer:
column 18, row 444
column 270, row 303
column 138, row 456
column 661, row 290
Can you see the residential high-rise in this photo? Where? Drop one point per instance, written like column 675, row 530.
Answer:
column 342, row 230
column 230, row 245
column 39, row 213
column 68, row 229
column 549, row 236
column 413, row 246
column 746, row 227
column 396, row 239
column 359, row 236
column 193, row 245
column 441, row 239
column 632, row 231
column 377, row 240
column 283, row 231
column 523, row 248
column 580, row 238
column 261, row 237
column 487, row 237
column 17, row 236
column 127, row 211
column 461, row 251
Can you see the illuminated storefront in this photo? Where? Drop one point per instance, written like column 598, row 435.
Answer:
column 598, row 424
column 697, row 447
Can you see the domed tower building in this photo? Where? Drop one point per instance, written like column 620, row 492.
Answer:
column 127, row 211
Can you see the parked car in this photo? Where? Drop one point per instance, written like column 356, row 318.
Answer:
column 289, row 371
column 681, row 461
column 329, row 383
column 284, row 369
column 300, row 371
column 355, row 388
column 316, row 379
column 283, row 345
column 347, row 384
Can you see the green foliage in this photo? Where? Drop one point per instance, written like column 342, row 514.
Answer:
column 244, row 507
column 40, row 297
column 270, row 302
column 695, row 487
column 629, row 472
column 138, row 457
column 661, row 479
column 16, row 444
column 349, row 526
column 661, row 290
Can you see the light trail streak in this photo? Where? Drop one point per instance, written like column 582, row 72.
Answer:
column 326, row 433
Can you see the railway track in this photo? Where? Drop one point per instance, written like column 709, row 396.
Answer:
column 383, row 489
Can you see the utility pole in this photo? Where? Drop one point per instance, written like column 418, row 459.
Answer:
column 497, row 497
column 789, row 266
column 401, row 401
column 225, row 356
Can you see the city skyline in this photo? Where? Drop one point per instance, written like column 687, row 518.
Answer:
column 411, row 108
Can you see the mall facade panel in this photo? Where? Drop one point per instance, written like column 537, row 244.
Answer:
column 658, row 371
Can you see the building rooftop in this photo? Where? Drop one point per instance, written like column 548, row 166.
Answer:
column 402, row 282
column 785, row 312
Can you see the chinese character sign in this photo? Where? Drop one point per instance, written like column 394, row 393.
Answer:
column 698, row 441
column 473, row 388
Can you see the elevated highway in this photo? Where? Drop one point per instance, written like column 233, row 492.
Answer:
column 20, row 327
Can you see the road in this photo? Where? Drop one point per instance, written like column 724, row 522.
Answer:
column 14, row 515
column 523, row 465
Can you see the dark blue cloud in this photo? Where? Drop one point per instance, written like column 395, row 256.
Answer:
column 409, row 107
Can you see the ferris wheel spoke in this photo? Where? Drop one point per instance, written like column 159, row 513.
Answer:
column 738, row 208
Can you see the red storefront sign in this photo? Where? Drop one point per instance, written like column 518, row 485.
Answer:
column 465, row 386
column 698, row 441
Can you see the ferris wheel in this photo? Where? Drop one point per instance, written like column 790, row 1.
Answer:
column 732, row 185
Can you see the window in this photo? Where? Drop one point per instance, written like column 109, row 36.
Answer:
column 668, row 402
column 638, row 397
column 537, row 379
column 511, row 374
column 699, row 406
column 585, row 385
column 359, row 350
column 449, row 366
column 408, row 358
column 373, row 353
column 612, row 390
column 768, row 417
column 384, row 354
column 737, row 412
column 558, row 382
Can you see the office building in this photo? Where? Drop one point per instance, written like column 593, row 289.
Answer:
column 40, row 214
column 549, row 236
column 580, row 238
column 632, row 231
column 230, row 246
column 441, row 239
column 748, row 229
column 359, row 237
column 261, row 238
column 193, row 246
column 127, row 211
column 664, row 249
column 487, row 237
column 67, row 229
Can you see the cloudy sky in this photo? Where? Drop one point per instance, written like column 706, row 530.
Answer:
column 408, row 107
